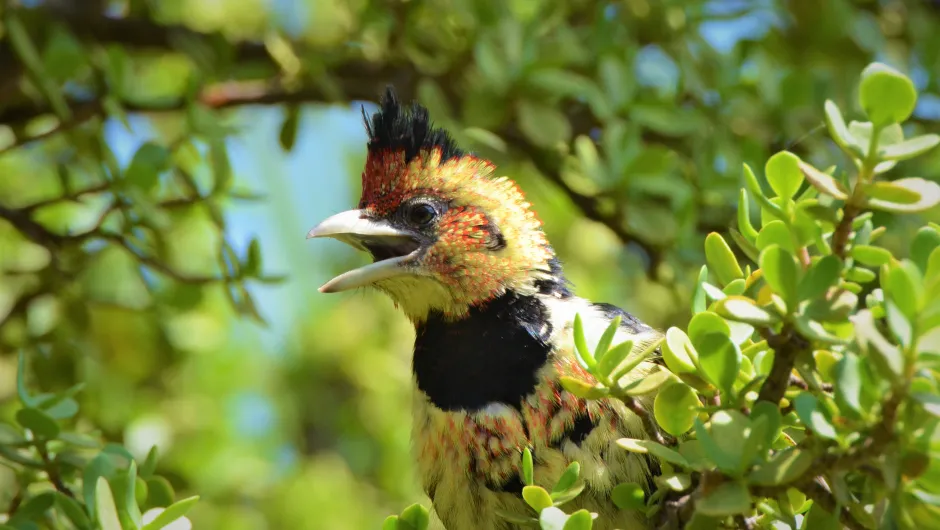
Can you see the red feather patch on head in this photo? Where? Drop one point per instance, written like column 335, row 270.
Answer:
column 488, row 240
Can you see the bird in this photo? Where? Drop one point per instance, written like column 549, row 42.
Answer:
column 464, row 256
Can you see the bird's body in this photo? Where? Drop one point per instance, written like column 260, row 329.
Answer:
column 466, row 260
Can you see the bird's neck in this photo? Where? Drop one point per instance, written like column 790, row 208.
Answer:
column 492, row 355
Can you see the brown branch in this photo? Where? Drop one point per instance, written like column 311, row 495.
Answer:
column 786, row 346
column 52, row 471
column 840, row 238
column 649, row 423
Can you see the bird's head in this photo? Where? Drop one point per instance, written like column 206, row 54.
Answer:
column 444, row 233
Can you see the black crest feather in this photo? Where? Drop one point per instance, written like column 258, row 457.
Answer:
column 395, row 127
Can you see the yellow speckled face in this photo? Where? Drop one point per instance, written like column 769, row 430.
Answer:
column 484, row 238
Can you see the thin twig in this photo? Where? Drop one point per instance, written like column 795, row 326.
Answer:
column 52, row 471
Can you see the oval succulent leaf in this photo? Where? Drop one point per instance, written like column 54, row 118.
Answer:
column 743, row 309
column 824, row 183
column 721, row 259
column 783, row 174
column 675, row 408
column 886, row 95
column 899, row 196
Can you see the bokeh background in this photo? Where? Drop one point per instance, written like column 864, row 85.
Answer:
column 175, row 280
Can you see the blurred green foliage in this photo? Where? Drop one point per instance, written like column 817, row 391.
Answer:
column 133, row 181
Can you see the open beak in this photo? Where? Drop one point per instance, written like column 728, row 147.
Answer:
column 391, row 248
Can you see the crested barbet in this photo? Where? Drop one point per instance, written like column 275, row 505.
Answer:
column 463, row 255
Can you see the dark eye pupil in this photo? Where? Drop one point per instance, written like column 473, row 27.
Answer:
column 422, row 214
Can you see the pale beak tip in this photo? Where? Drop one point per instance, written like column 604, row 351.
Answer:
column 312, row 233
column 325, row 289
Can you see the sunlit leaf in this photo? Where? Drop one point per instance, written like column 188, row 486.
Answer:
column 729, row 498
column 783, row 174
column 675, row 408
column 886, row 95
column 628, row 496
column 653, row 448
column 721, row 259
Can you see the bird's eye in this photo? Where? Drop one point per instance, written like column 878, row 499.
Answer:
column 421, row 214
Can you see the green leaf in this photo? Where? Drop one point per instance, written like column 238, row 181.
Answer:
column 903, row 287
column 159, row 492
column 837, row 128
column 676, row 481
column 603, row 344
column 567, row 479
column 775, row 233
column 729, row 498
column 149, row 466
column 252, row 264
column 678, row 352
column 870, row 255
column 37, row 421
column 148, row 162
column 221, row 167
column 699, row 303
column 930, row 402
column 648, row 384
column 552, row 518
column 615, row 357
column 823, row 182
column 819, row 519
column 579, row 520
column 848, row 379
column 35, row 507
column 544, row 125
column 415, row 515
column 582, row 352
column 744, row 217
column 130, row 495
column 581, row 388
column 179, row 509
column 719, row 359
column 288, row 133
column 753, row 186
column 728, row 430
column 782, row 273
column 886, row 95
column 629, row 496
column 821, row 275
column 659, row 451
column 569, row 494
column 888, row 192
column 814, row 330
column 907, row 195
column 100, row 466
column 743, row 309
column 675, row 408
column 812, row 415
column 783, row 174
column 21, row 390
column 72, row 510
column 887, row 357
column 536, row 497
column 925, row 241
column 527, row 467
column 785, row 467
column 721, row 259
column 104, row 507
column 909, row 148
column 770, row 414
column 390, row 523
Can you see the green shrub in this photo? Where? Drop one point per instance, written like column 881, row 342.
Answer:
column 805, row 385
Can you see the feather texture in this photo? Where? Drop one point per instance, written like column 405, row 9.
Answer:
column 470, row 460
